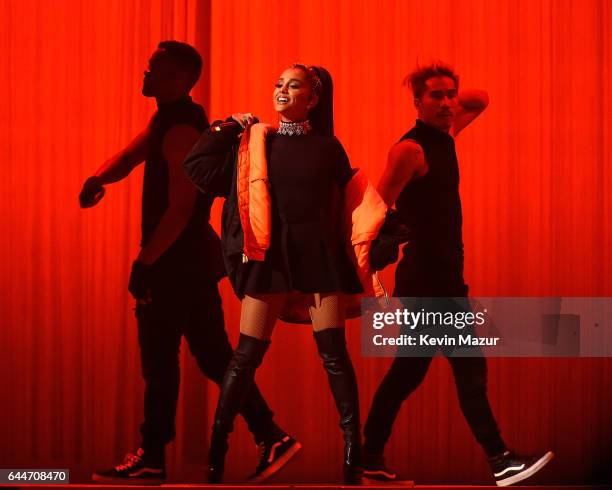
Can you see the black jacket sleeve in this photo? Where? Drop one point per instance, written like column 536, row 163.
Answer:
column 209, row 165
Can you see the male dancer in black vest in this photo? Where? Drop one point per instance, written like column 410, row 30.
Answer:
column 422, row 180
column 174, row 278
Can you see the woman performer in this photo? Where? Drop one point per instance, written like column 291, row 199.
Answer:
column 286, row 189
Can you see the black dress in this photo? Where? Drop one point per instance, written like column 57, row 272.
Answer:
column 307, row 251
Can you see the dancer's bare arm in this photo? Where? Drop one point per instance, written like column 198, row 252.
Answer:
column 120, row 165
column 406, row 161
column 181, row 194
column 472, row 102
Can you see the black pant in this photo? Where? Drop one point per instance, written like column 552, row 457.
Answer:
column 193, row 311
column 407, row 373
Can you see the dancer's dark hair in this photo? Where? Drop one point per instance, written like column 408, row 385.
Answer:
column 417, row 79
column 322, row 115
column 186, row 58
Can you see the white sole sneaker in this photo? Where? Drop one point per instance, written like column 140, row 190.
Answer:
column 523, row 475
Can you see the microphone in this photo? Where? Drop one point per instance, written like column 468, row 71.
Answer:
column 229, row 123
column 219, row 126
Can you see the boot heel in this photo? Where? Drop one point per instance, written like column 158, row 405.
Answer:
column 216, row 457
column 352, row 475
column 352, row 469
column 215, row 475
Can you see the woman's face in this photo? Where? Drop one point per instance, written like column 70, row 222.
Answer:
column 293, row 97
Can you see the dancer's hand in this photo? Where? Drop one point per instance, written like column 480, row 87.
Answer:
column 91, row 193
column 140, row 282
column 244, row 119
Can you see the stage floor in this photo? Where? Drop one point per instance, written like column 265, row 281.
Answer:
column 303, row 486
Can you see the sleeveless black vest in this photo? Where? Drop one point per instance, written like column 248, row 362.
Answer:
column 431, row 205
column 197, row 249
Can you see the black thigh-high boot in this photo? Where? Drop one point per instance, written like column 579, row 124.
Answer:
column 331, row 345
column 236, row 384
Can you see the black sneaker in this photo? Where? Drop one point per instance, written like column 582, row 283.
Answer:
column 374, row 468
column 135, row 470
column 273, row 456
column 510, row 468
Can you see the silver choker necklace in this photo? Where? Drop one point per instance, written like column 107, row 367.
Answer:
column 294, row 128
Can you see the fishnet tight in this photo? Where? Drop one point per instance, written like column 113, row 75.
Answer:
column 260, row 312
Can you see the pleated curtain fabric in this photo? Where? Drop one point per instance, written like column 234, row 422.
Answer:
column 535, row 175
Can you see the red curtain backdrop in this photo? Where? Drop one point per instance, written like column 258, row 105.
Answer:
column 537, row 212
